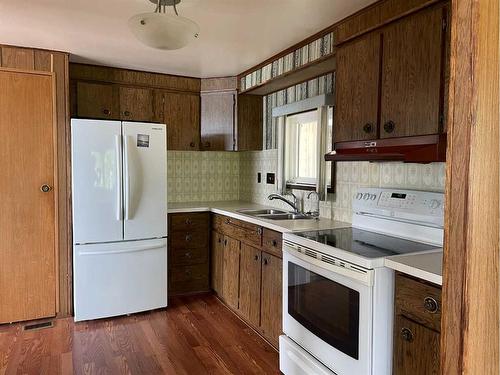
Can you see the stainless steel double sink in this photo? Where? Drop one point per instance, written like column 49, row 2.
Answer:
column 273, row 214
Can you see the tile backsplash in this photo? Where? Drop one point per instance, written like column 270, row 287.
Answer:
column 215, row 176
column 349, row 177
column 203, row 176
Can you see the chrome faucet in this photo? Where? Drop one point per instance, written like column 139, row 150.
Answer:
column 282, row 198
column 314, row 213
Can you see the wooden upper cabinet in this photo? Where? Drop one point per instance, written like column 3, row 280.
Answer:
column 19, row 58
column 136, row 104
column 182, row 116
column 217, row 121
column 250, row 276
column 357, row 89
column 250, row 121
column 96, row 100
column 412, row 75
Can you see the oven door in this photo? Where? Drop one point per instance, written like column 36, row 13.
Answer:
column 328, row 313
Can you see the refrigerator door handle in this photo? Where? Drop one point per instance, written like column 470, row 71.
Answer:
column 119, row 177
column 129, row 250
column 127, row 178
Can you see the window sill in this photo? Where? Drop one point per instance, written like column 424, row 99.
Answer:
column 307, row 188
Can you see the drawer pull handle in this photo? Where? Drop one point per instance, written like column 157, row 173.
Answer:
column 187, row 255
column 219, row 240
column 406, row 334
column 265, row 261
column 225, row 242
column 431, row 305
column 188, row 237
column 188, row 222
column 188, row 272
column 274, row 243
column 228, row 221
column 259, row 231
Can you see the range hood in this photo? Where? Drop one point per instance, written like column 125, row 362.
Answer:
column 415, row 149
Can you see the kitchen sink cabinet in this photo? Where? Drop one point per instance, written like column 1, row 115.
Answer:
column 250, row 277
column 249, row 259
column 390, row 82
column 357, row 89
column 231, row 272
column 412, row 75
column 417, row 327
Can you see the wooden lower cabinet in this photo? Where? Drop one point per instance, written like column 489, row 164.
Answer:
column 250, row 276
column 416, row 327
column 271, row 297
column 246, row 276
column 231, row 272
column 416, row 348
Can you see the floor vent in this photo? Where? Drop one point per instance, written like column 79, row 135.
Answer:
column 35, row 326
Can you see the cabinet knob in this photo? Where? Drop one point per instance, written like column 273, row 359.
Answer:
column 256, row 257
column 106, row 111
column 192, row 144
column 126, row 113
column 188, row 222
column 406, row 334
column 188, row 272
column 219, row 240
column 45, row 188
column 187, row 255
column 259, row 231
column 265, row 261
column 368, row 128
column 225, row 242
column 188, row 237
column 431, row 305
column 275, row 243
column 389, row 126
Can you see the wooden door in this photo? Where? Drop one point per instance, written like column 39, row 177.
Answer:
column 28, row 221
column 250, row 274
column 231, row 272
column 357, row 89
column 271, row 298
column 96, row 101
column 182, row 116
column 416, row 349
column 136, row 104
column 217, row 262
column 217, row 121
column 412, row 75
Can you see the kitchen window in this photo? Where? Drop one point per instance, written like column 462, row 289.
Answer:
column 303, row 148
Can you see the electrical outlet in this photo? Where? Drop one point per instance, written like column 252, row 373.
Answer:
column 270, row 178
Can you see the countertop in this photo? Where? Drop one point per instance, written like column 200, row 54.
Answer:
column 426, row 266
column 231, row 208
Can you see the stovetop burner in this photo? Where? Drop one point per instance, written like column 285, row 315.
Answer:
column 365, row 243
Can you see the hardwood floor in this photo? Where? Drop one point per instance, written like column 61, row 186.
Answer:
column 194, row 335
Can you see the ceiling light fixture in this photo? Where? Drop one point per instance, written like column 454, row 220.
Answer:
column 161, row 30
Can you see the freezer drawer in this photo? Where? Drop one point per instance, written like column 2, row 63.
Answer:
column 119, row 278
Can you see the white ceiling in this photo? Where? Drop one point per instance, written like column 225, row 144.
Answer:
column 235, row 34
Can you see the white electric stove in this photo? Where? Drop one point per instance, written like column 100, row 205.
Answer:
column 338, row 297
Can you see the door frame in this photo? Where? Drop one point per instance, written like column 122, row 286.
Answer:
column 470, row 319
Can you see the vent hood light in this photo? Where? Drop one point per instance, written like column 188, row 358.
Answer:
column 163, row 31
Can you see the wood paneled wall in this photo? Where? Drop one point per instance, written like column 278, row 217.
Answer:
column 57, row 62
column 470, row 326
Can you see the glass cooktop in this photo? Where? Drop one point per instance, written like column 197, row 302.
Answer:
column 364, row 243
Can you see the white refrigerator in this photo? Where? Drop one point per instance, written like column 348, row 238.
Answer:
column 119, row 184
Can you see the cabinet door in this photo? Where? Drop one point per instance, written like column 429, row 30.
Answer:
column 95, row 101
column 416, row 349
column 231, row 272
column 136, row 104
column 217, row 121
column 250, row 272
column 249, row 125
column 411, row 75
column 182, row 116
column 357, row 89
column 216, row 262
column 271, row 298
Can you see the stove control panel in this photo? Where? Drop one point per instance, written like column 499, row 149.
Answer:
column 398, row 204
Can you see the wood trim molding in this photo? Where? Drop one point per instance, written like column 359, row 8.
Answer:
column 470, row 324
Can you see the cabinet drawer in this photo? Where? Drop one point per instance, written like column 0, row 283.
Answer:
column 180, row 274
column 188, row 256
column 272, row 242
column 187, row 239
column 418, row 301
column 190, row 222
column 241, row 230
